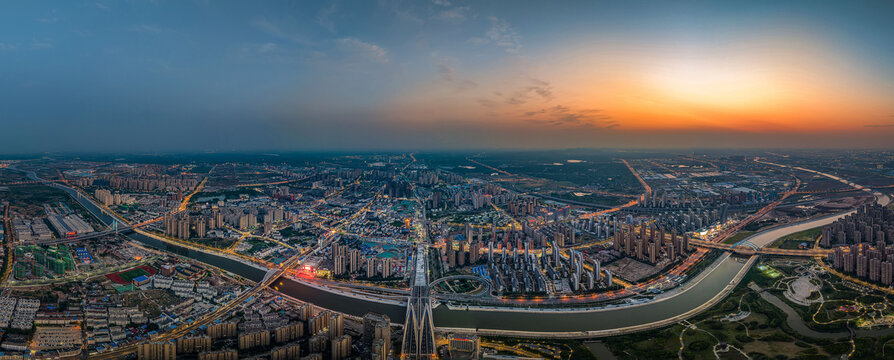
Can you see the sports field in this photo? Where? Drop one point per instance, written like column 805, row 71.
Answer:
column 126, row 276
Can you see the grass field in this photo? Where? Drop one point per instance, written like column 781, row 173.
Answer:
column 793, row 240
column 131, row 274
column 767, row 335
column 739, row 236
column 29, row 199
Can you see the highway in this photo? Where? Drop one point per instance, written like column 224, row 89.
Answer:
column 207, row 318
column 7, row 244
column 490, row 167
column 697, row 294
column 639, row 178
column 747, row 250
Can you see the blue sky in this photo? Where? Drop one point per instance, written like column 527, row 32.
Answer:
column 293, row 75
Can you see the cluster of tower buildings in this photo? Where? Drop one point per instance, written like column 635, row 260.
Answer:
column 875, row 264
column 693, row 218
column 324, row 331
column 734, row 196
column 472, row 197
column 462, row 251
column 107, row 198
column 651, row 246
column 597, row 226
column 351, row 261
column 869, row 224
column 522, row 271
column 580, row 277
column 516, row 272
column 377, row 333
column 142, row 183
column 521, row 207
column 861, row 242
column 183, row 226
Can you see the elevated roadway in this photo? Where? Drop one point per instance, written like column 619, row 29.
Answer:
column 697, row 294
column 742, row 249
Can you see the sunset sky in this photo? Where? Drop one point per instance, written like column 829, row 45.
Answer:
column 304, row 75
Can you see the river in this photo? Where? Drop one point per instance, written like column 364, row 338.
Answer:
column 696, row 292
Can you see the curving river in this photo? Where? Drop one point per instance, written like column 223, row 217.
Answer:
column 693, row 296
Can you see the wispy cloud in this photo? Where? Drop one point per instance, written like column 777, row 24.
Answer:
column 399, row 11
column 268, row 53
column 502, row 35
column 536, row 88
column 448, row 75
column 455, row 14
column 561, row 115
column 102, row 6
column 488, row 103
column 262, row 48
column 49, row 19
column 324, row 17
column 367, row 50
column 8, row 46
column 883, row 124
column 41, row 44
column 276, row 30
column 145, row 29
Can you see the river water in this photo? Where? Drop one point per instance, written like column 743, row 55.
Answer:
column 724, row 271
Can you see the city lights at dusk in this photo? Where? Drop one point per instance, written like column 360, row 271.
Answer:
column 446, row 179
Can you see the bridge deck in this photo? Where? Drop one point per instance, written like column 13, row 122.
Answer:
column 746, row 250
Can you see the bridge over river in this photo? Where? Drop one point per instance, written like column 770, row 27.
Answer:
column 697, row 294
column 749, row 248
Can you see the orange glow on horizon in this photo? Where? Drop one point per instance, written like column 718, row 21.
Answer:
column 768, row 86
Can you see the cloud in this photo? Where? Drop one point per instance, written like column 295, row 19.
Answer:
column 268, row 53
column 8, row 46
column 449, row 77
column 102, row 6
column 537, row 88
column 50, row 19
column 885, row 123
column 455, row 14
column 261, row 48
column 324, row 17
column 561, row 115
column 446, row 72
column 441, row 2
column 273, row 29
column 400, row 12
column 367, row 50
column 503, row 35
column 41, row 44
column 488, row 103
column 478, row 40
column 144, row 29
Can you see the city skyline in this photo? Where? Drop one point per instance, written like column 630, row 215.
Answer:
column 446, row 179
column 443, row 75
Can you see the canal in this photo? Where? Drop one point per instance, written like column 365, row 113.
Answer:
column 691, row 296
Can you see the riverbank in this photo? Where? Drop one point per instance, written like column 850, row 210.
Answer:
column 690, row 299
column 343, row 292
